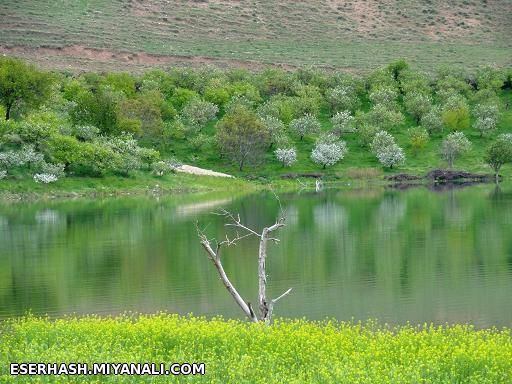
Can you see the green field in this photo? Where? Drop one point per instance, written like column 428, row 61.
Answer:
column 291, row 351
column 356, row 35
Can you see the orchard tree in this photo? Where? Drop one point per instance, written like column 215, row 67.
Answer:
column 498, row 154
column 384, row 96
column 305, row 125
column 342, row 98
column 453, row 146
column 456, row 114
column 417, row 105
column 274, row 127
column 432, row 121
column 486, row 118
column 391, row 156
column 21, row 83
column 197, row 113
column 343, row 122
column 382, row 117
column 326, row 153
column 242, row 137
column 286, row 156
column 381, row 140
column 418, row 138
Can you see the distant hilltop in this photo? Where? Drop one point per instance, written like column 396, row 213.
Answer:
column 352, row 35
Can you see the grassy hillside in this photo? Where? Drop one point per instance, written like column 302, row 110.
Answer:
column 104, row 34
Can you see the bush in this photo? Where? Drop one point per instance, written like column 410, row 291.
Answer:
column 45, row 178
column 161, row 168
column 85, row 132
column 286, row 156
column 200, row 142
column 3, row 174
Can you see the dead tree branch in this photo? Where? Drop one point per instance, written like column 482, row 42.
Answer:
column 265, row 307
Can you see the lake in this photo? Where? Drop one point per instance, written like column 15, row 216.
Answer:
column 397, row 256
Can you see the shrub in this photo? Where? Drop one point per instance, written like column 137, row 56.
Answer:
column 53, row 169
column 328, row 153
column 3, row 174
column 200, row 142
column 85, row 132
column 160, row 168
column 305, row 125
column 286, row 156
column 45, row 178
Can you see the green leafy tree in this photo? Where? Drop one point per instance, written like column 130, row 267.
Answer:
column 242, row 137
column 21, row 83
column 417, row 105
column 499, row 154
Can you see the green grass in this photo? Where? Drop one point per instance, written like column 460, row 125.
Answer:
column 141, row 183
column 290, row 351
column 338, row 34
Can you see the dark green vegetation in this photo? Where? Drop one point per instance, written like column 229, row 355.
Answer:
column 357, row 34
column 394, row 119
column 354, row 253
column 235, row 352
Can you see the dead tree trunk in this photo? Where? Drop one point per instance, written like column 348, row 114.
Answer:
column 266, row 307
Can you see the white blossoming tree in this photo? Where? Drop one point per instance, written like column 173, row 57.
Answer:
column 343, row 122
column 391, row 155
column 454, row 145
column 381, row 140
column 286, row 156
column 327, row 154
column 486, row 118
column 305, row 125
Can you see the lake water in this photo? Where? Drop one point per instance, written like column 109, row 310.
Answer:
column 398, row 256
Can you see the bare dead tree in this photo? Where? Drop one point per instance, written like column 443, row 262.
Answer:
column 266, row 307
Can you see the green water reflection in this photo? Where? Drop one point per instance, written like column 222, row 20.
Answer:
column 397, row 256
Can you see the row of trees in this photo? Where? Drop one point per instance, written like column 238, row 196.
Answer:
column 78, row 122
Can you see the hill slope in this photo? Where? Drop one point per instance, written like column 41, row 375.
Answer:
column 345, row 34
